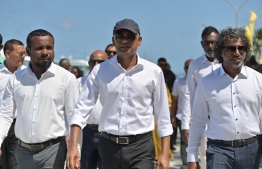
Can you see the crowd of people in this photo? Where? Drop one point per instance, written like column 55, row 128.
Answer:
column 126, row 113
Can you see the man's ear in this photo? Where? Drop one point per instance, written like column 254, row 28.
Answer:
column 139, row 40
column 7, row 53
column 27, row 49
column 201, row 42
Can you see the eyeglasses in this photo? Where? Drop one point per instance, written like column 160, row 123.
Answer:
column 232, row 49
column 129, row 37
column 95, row 61
column 108, row 52
column 22, row 54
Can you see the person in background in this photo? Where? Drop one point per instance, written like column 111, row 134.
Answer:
column 110, row 50
column 77, row 72
column 89, row 154
column 198, row 69
column 1, row 46
column 14, row 51
column 252, row 63
column 129, row 106
column 65, row 63
column 170, row 78
column 229, row 101
column 259, row 68
column 176, row 109
column 44, row 95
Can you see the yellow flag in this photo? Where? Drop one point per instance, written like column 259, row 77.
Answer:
column 250, row 28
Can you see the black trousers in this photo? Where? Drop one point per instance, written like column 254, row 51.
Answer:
column 8, row 159
column 137, row 155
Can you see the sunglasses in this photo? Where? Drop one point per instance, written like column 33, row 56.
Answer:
column 129, row 37
column 95, row 61
column 232, row 49
column 108, row 52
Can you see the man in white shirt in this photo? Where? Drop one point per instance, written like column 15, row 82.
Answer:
column 229, row 102
column 132, row 91
column 89, row 153
column 44, row 95
column 176, row 108
column 199, row 68
column 14, row 51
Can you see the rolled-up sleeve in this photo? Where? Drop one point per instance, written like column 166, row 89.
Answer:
column 7, row 108
column 161, row 109
column 198, row 123
column 86, row 102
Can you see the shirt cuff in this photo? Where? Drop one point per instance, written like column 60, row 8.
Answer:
column 185, row 126
column 192, row 157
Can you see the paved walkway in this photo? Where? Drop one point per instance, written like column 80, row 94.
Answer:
column 176, row 162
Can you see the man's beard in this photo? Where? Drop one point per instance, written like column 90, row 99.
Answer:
column 210, row 56
column 44, row 65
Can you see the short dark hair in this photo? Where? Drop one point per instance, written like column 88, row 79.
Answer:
column 208, row 30
column 226, row 35
column 1, row 39
column 37, row 32
column 9, row 45
column 62, row 60
column 161, row 60
column 109, row 45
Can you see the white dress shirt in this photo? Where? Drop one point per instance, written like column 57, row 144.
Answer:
column 130, row 99
column 233, row 105
column 95, row 114
column 5, row 75
column 44, row 106
column 198, row 68
column 178, row 90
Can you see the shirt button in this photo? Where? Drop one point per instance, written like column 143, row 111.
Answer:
column 235, row 106
column 236, row 119
column 237, row 132
column 233, row 93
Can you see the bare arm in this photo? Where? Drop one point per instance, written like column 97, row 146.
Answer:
column 174, row 110
column 163, row 159
column 73, row 156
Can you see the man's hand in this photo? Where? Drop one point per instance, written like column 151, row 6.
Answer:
column 162, row 162
column 73, row 155
column 193, row 165
column 185, row 134
column 73, row 158
column 0, row 152
column 173, row 120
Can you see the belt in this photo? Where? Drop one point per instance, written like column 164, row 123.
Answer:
column 92, row 126
column 40, row 146
column 236, row 143
column 125, row 139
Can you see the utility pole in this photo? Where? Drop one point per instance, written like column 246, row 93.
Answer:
column 236, row 10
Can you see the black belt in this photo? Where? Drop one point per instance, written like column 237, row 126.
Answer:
column 92, row 126
column 40, row 146
column 125, row 139
column 236, row 143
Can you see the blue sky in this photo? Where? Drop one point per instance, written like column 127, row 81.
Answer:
column 170, row 28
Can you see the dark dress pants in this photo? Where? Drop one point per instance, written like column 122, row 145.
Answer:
column 227, row 157
column 137, row 155
column 90, row 158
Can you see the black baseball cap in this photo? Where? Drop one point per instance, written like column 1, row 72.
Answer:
column 128, row 24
